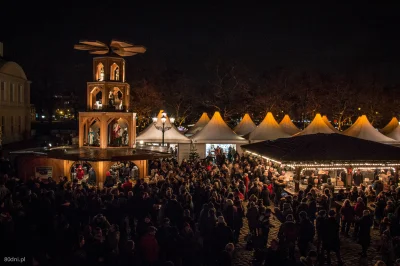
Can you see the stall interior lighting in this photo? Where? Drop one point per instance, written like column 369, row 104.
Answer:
column 326, row 168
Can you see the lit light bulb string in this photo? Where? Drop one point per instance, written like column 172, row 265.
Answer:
column 334, row 166
column 326, row 168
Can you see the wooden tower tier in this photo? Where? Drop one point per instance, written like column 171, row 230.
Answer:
column 107, row 129
column 108, row 96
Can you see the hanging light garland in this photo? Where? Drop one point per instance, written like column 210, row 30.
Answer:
column 333, row 166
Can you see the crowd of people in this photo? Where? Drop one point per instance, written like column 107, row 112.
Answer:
column 190, row 213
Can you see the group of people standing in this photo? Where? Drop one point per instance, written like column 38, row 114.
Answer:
column 191, row 213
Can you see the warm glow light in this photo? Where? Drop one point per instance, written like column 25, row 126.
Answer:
column 154, row 119
column 172, row 120
column 141, row 142
column 163, row 119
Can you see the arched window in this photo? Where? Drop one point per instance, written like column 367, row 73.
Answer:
column 83, row 171
column 115, row 99
column 118, row 133
column 93, row 137
column 100, row 72
column 115, row 72
column 96, row 99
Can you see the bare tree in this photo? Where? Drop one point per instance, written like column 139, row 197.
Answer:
column 146, row 101
column 231, row 92
column 340, row 98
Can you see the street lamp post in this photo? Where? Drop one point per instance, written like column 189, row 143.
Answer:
column 163, row 127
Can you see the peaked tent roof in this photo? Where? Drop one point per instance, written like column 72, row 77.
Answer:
column 392, row 125
column 245, row 126
column 327, row 148
column 268, row 129
column 288, row 126
column 316, row 126
column 395, row 134
column 326, row 120
column 217, row 132
column 152, row 134
column 363, row 129
column 202, row 122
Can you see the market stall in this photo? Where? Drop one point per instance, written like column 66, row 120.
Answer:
column 216, row 137
column 327, row 156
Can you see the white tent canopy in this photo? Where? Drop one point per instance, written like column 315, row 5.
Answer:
column 288, row 126
column 245, row 126
column 268, row 129
column 152, row 135
column 202, row 122
column 316, row 126
column 363, row 129
column 326, row 120
column 395, row 134
column 392, row 125
column 217, row 132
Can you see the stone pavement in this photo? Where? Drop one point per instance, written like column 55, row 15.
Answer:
column 349, row 248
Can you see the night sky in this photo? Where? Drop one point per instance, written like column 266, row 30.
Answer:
column 189, row 37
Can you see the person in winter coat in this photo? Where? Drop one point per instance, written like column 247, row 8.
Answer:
column 321, row 227
column 347, row 212
column 279, row 186
column 312, row 207
column 364, row 234
column 288, row 233
column 306, row 233
column 238, row 223
column 252, row 217
column 359, row 208
column 380, row 205
column 149, row 246
column 230, row 213
column 265, row 196
column 265, row 225
column 222, row 235
column 226, row 256
column 274, row 254
column 330, row 238
column 174, row 212
column 386, row 248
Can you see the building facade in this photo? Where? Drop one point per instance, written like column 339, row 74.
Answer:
column 15, row 107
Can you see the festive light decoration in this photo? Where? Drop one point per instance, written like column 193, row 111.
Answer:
column 269, row 159
column 326, row 166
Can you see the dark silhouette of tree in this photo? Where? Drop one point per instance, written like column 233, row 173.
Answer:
column 146, row 101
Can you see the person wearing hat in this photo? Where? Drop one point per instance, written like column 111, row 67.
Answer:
column 149, row 247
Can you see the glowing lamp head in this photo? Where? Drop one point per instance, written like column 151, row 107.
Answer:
column 172, row 120
column 154, row 119
column 163, row 119
column 141, row 142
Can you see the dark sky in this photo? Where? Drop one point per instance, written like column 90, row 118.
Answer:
column 338, row 38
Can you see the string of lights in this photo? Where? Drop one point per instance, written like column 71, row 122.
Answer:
column 333, row 166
